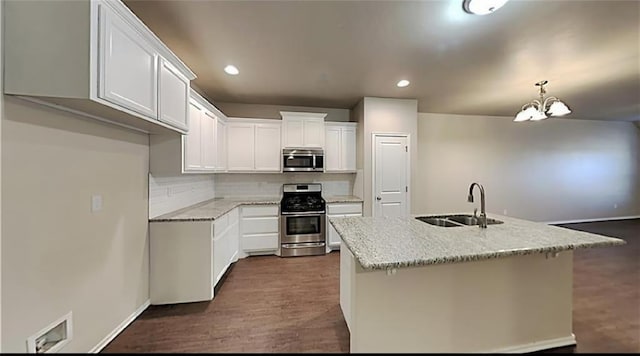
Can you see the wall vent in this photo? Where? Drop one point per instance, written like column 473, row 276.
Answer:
column 52, row 338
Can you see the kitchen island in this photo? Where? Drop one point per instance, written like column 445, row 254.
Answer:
column 408, row 286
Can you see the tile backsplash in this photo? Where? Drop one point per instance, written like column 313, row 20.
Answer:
column 270, row 184
column 167, row 194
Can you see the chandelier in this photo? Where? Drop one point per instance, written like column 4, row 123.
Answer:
column 543, row 108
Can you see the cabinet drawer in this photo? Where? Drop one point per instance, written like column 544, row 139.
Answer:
column 266, row 210
column 220, row 224
column 339, row 209
column 261, row 242
column 262, row 225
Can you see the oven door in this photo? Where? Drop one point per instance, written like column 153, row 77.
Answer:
column 302, row 228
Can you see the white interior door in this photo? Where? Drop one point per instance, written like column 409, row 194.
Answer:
column 390, row 176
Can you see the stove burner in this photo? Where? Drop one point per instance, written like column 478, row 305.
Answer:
column 299, row 198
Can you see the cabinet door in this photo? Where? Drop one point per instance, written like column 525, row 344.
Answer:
column 208, row 141
column 221, row 143
column 293, row 132
column 334, row 238
column 127, row 66
column 332, row 151
column 174, row 96
column 348, row 149
column 313, row 132
column 219, row 256
column 240, row 146
column 192, row 140
column 267, row 148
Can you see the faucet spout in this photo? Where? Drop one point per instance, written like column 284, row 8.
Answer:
column 482, row 219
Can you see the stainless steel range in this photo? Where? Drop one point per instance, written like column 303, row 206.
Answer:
column 302, row 220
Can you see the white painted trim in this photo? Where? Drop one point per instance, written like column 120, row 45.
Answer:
column 81, row 113
column 539, row 345
column 115, row 332
column 301, row 114
column 373, row 168
column 592, row 220
column 250, row 120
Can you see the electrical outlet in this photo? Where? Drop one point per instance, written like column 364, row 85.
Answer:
column 504, row 212
column 169, row 192
column 96, row 203
column 615, row 206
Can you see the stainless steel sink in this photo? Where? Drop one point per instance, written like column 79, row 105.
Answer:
column 455, row 220
column 471, row 220
column 437, row 221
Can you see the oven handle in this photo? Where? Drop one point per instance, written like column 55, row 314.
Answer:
column 304, row 245
column 303, row 213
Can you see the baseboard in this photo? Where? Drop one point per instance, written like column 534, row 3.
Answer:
column 112, row 335
column 538, row 345
column 592, row 220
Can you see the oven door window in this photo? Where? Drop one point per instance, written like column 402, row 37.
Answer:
column 303, row 225
column 298, row 161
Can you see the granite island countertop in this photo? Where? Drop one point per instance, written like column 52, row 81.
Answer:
column 383, row 243
column 215, row 208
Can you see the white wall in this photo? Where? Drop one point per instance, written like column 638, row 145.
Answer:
column 553, row 170
column 383, row 115
column 58, row 256
column 233, row 185
column 167, row 194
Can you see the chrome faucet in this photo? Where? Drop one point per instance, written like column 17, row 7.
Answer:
column 482, row 219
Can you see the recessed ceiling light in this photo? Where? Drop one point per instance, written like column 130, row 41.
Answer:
column 403, row 83
column 231, row 70
column 482, row 7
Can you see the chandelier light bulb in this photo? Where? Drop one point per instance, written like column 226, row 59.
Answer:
column 540, row 109
column 558, row 108
column 482, row 7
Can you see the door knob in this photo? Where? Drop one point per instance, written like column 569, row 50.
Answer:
column 378, row 198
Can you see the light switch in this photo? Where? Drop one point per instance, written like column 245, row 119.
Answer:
column 96, row 203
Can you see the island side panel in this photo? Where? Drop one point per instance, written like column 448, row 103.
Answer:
column 347, row 272
column 517, row 304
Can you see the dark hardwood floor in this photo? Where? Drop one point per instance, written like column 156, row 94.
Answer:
column 273, row 304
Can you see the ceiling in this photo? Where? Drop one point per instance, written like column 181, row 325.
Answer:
column 333, row 53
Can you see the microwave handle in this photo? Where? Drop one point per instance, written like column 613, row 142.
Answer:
column 314, row 162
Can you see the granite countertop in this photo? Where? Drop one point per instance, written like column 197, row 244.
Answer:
column 343, row 199
column 214, row 208
column 383, row 243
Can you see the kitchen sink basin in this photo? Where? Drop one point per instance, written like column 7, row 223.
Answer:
column 471, row 220
column 455, row 220
column 437, row 221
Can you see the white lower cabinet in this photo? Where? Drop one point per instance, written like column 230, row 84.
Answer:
column 339, row 210
column 259, row 230
column 188, row 258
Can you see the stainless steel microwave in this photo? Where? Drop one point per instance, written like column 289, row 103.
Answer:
column 302, row 160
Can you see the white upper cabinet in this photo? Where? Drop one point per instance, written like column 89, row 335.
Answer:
column 127, row 66
column 253, row 145
column 110, row 65
column 193, row 140
column 340, row 147
column 240, row 146
column 268, row 147
column 302, row 129
column 174, row 96
column 221, row 145
column 201, row 150
column 208, row 137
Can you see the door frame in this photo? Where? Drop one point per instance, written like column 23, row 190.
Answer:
column 374, row 135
